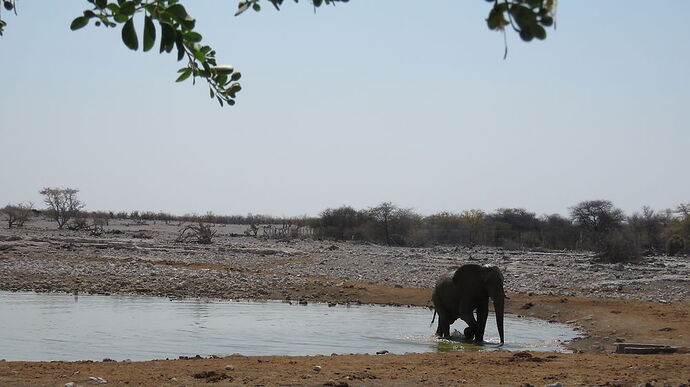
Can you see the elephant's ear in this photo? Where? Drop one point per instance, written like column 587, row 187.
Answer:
column 492, row 274
column 459, row 275
column 487, row 273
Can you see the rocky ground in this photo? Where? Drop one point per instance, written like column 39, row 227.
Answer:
column 644, row 301
column 143, row 259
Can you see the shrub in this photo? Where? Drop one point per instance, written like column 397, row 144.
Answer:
column 17, row 214
column 620, row 246
column 676, row 244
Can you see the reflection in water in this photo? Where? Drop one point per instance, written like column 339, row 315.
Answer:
column 62, row 327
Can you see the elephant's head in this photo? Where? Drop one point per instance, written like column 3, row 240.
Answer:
column 493, row 281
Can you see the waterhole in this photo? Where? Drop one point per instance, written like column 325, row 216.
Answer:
column 45, row 327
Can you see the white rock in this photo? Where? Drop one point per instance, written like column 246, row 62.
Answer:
column 317, row 368
column 229, row 367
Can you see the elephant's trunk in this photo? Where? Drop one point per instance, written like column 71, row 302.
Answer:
column 498, row 308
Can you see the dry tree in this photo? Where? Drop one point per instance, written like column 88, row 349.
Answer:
column 17, row 214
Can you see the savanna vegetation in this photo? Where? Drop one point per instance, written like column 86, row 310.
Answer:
column 591, row 225
column 595, row 225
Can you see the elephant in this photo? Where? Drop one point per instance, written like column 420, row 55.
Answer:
column 469, row 289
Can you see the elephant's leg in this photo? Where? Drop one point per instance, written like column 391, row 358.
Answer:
column 471, row 330
column 482, row 314
column 443, row 329
column 469, row 334
column 439, row 327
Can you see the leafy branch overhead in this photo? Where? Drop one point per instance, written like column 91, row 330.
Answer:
column 176, row 28
column 168, row 22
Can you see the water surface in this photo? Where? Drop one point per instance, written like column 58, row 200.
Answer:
column 63, row 327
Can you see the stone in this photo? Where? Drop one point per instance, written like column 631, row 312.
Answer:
column 70, row 384
column 98, row 380
column 229, row 367
column 317, row 368
column 553, row 385
column 382, row 352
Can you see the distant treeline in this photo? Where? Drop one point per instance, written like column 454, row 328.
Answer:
column 591, row 225
column 194, row 218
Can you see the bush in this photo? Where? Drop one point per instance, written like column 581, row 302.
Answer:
column 676, row 244
column 620, row 246
column 17, row 214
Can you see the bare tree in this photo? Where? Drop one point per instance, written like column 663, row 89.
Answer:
column 17, row 214
column 200, row 233
column 62, row 203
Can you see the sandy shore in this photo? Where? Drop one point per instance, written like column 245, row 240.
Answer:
column 643, row 302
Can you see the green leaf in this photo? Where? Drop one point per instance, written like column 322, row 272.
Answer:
column 224, row 69
column 149, row 33
column 236, row 76
column 168, row 34
column 199, row 56
column 221, row 79
column 179, row 43
column 185, row 74
column 120, row 17
column 101, row 4
column 547, row 21
column 241, row 8
column 129, row 35
column 526, row 35
column 178, row 13
column 128, row 8
column 78, row 23
column 192, row 36
column 538, row 31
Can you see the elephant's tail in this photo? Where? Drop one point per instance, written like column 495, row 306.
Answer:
column 432, row 319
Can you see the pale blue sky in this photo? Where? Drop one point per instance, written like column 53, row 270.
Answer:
column 365, row 102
